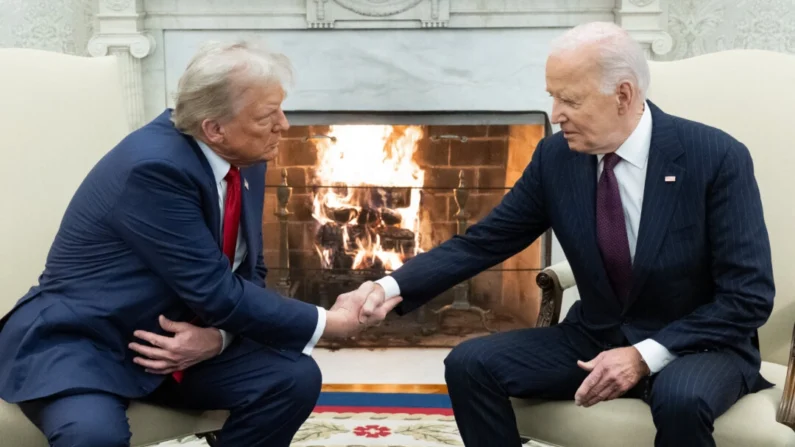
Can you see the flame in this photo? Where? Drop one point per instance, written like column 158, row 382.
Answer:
column 368, row 181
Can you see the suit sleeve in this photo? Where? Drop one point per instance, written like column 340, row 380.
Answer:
column 259, row 268
column 518, row 220
column 741, row 264
column 159, row 215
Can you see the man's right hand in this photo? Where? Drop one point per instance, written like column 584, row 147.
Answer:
column 345, row 318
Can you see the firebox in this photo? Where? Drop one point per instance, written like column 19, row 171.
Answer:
column 353, row 196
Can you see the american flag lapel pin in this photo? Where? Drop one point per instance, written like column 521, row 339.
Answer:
column 670, row 178
column 245, row 183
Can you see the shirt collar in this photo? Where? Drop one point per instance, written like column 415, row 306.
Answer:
column 635, row 149
column 219, row 166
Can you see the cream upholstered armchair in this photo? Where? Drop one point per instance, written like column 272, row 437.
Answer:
column 59, row 115
column 748, row 94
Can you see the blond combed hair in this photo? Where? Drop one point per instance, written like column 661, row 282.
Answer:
column 216, row 78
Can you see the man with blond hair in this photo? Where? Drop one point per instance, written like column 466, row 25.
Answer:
column 157, row 262
column 661, row 221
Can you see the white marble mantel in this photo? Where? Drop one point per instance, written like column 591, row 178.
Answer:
column 469, row 54
column 359, row 55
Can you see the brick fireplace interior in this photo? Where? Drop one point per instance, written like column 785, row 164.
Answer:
column 365, row 193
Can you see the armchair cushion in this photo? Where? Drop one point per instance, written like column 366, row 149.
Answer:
column 149, row 424
column 628, row 422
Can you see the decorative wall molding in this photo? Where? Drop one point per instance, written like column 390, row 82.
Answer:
column 363, row 13
column 121, row 33
column 645, row 21
column 373, row 14
column 373, row 8
column 118, row 5
column 139, row 45
column 643, row 18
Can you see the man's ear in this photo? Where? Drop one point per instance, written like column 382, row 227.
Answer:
column 213, row 131
column 625, row 93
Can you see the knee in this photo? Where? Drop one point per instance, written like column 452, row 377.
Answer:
column 684, row 407
column 91, row 433
column 467, row 359
column 303, row 380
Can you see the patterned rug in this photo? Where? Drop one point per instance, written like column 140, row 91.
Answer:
column 373, row 420
column 335, row 429
column 380, row 419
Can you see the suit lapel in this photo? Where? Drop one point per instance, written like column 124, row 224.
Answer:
column 212, row 212
column 660, row 196
column 584, row 192
column 247, row 221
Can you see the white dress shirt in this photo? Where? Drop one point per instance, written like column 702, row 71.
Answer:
column 220, row 168
column 631, row 176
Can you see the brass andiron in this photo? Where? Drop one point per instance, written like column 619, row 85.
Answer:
column 283, row 193
column 461, row 290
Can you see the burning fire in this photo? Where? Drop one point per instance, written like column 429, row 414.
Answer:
column 369, row 196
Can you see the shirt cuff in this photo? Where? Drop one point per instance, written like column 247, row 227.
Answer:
column 321, row 326
column 654, row 354
column 391, row 288
column 226, row 339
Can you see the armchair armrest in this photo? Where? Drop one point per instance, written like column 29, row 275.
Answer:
column 553, row 280
column 786, row 409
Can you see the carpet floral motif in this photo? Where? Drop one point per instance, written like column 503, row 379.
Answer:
column 332, row 429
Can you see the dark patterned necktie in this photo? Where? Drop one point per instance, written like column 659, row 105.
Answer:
column 611, row 230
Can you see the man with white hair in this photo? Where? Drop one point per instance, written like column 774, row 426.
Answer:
column 165, row 231
column 661, row 221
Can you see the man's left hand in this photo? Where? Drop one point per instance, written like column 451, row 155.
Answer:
column 612, row 373
column 188, row 346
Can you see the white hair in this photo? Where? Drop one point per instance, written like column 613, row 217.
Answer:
column 621, row 58
column 217, row 77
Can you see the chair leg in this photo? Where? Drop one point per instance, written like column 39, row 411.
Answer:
column 211, row 438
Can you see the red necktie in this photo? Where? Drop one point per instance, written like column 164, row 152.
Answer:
column 231, row 214
column 231, row 225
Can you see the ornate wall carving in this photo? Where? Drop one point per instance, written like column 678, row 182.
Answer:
column 325, row 13
column 54, row 25
column 705, row 26
column 378, row 8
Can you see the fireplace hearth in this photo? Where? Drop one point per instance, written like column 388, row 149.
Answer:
column 354, row 196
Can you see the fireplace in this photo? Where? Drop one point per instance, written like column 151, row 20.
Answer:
column 352, row 196
column 389, row 62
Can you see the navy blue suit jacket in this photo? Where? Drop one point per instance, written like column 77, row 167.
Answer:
column 141, row 238
column 702, row 274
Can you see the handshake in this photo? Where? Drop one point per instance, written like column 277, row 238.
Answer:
column 355, row 311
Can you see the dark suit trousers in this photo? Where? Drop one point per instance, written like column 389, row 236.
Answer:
column 481, row 374
column 269, row 396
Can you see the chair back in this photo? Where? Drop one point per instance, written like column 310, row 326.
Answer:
column 59, row 114
column 750, row 95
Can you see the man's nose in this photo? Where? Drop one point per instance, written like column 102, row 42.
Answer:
column 558, row 117
column 283, row 125
column 557, row 114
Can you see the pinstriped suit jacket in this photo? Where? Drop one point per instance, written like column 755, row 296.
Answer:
column 702, row 274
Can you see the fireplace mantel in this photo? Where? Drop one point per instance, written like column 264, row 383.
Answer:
column 642, row 16
column 135, row 30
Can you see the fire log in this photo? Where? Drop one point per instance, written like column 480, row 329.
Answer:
column 368, row 217
column 390, row 217
column 341, row 215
